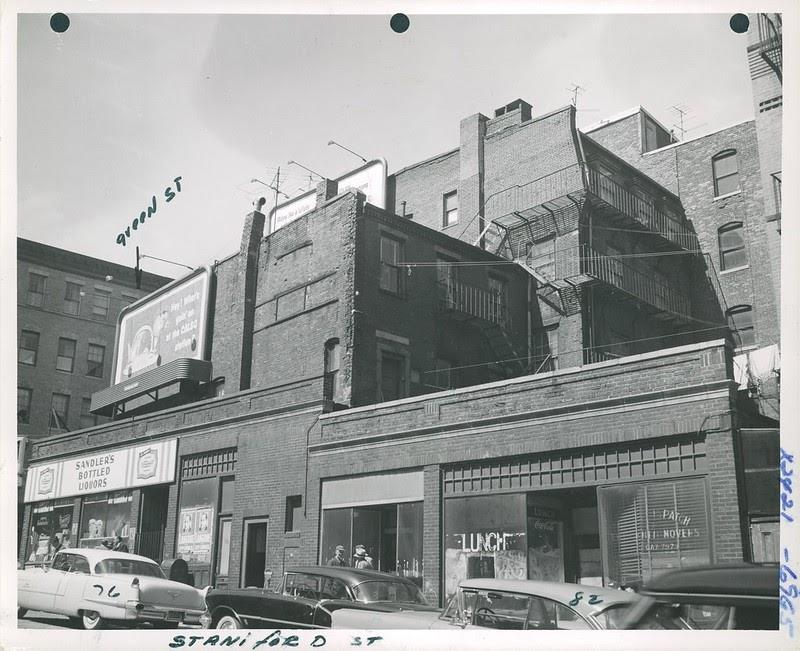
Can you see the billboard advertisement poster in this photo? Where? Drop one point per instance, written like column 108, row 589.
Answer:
column 169, row 325
column 369, row 179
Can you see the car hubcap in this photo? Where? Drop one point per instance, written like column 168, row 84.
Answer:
column 228, row 622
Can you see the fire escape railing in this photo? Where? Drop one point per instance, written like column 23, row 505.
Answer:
column 455, row 296
column 770, row 42
column 641, row 211
column 635, row 282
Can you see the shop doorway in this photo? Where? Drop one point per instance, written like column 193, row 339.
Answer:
column 152, row 521
column 255, row 552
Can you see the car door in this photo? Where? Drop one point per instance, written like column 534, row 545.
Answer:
column 506, row 611
column 39, row 588
column 304, row 592
column 72, row 586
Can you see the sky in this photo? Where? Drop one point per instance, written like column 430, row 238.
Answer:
column 110, row 112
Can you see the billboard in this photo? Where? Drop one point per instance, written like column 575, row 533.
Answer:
column 369, row 179
column 167, row 325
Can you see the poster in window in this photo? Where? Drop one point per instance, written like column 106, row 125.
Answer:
column 195, row 534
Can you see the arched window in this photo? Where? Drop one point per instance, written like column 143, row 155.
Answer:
column 332, row 360
column 731, row 246
column 740, row 321
column 726, row 172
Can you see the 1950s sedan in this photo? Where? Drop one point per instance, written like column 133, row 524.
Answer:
column 96, row 586
column 307, row 596
column 508, row 604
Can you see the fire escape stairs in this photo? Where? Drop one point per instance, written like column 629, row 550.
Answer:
column 558, row 293
column 501, row 348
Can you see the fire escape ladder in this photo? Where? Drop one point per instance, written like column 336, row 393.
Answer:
column 501, row 348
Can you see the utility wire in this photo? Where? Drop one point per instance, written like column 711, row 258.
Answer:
column 578, row 350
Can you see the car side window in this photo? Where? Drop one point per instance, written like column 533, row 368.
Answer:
column 302, row 585
column 501, row 610
column 62, row 562
column 332, row 588
column 80, row 565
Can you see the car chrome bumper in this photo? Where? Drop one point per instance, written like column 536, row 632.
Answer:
column 147, row 613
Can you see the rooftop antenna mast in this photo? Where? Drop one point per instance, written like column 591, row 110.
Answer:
column 681, row 111
column 575, row 90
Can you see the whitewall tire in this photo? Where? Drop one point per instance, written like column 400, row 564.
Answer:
column 92, row 621
column 228, row 621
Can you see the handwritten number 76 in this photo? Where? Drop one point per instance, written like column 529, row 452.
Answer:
column 112, row 591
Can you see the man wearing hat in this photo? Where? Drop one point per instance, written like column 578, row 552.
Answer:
column 338, row 560
column 361, row 560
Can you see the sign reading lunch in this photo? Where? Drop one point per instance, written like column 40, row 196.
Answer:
column 170, row 324
column 141, row 465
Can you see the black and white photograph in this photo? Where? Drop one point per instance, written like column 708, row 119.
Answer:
column 402, row 326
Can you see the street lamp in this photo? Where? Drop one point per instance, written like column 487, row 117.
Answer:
column 333, row 142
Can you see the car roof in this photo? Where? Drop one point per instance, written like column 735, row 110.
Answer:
column 350, row 575
column 95, row 555
column 741, row 580
column 563, row 592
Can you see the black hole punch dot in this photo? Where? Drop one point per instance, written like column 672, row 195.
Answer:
column 399, row 23
column 740, row 23
column 59, row 23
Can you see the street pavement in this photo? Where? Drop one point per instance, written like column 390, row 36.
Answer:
column 39, row 619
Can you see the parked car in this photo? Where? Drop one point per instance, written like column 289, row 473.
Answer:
column 709, row 598
column 97, row 586
column 306, row 597
column 509, row 605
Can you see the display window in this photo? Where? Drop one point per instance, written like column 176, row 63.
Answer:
column 651, row 527
column 51, row 529
column 104, row 517
column 391, row 534
column 485, row 537
column 196, row 520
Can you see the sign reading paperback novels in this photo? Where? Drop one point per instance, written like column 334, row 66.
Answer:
column 142, row 465
column 168, row 325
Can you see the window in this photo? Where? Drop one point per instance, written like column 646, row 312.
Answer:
column 59, row 410
column 95, row 359
column 392, row 384
column 740, row 321
column 450, row 213
column 332, row 361
column 72, row 298
column 391, row 257
column 498, row 305
column 544, row 350
column 549, row 615
column 24, row 397
column 65, row 360
column 28, row 347
column 294, row 505
column 726, row 173
column 88, row 419
column 503, row 610
column 731, row 246
column 36, row 285
column 653, row 136
column 101, row 303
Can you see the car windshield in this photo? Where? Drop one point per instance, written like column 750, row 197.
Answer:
column 396, row 591
column 613, row 616
column 126, row 566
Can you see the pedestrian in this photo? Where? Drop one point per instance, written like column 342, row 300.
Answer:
column 55, row 545
column 362, row 561
column 117, row 546
column 338, row 559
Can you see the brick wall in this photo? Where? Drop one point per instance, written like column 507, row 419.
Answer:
column 423, row 187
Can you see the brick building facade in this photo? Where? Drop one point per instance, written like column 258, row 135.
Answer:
column 523, row 367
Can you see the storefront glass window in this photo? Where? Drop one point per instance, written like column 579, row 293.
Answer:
column 336, row 529
column 409, row 541
column 485, row 537
column 653, row 527
column 104, row 517
column 51, row 529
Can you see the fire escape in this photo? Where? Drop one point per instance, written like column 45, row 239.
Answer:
column 488, row 312
column 770, row 40
column 523, row 222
